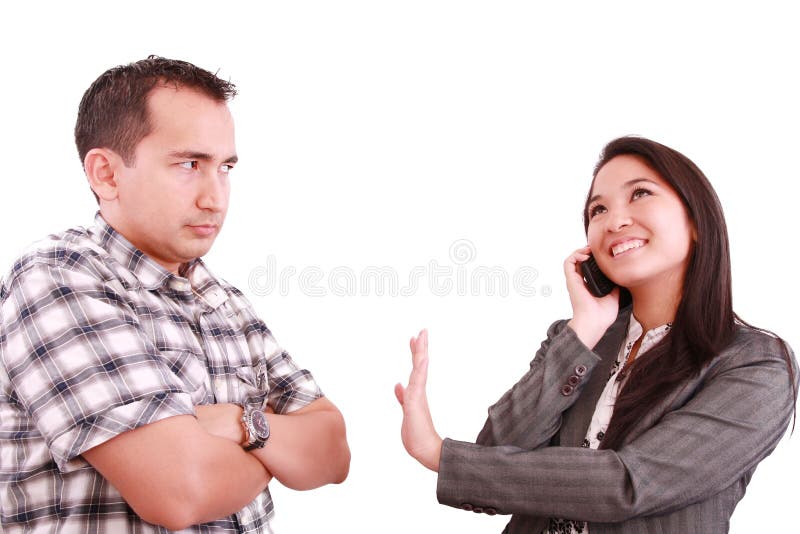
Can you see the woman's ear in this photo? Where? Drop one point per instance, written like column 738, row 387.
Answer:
column 101, row 166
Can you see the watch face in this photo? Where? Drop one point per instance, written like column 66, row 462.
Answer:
column 260, row 424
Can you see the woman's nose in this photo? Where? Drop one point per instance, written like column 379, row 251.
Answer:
column 617, row 220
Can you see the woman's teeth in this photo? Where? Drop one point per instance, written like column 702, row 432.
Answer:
column 627, row 245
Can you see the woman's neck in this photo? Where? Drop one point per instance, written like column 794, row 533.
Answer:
column 655, row 304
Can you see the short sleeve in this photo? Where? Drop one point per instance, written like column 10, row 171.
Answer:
column 290, row 387
column 79, row 362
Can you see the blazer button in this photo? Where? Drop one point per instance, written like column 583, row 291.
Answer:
column 567, row 390
column 478, row 510
column 466, row 506
column 580, row 370
column 573, row 380
column 489, row 511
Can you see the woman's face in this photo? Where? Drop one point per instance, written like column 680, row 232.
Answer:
column 639, row 231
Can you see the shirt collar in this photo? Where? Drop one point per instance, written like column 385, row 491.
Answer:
column 652, row 336
column 147, row 271
column 206, row 286
column 194, row 276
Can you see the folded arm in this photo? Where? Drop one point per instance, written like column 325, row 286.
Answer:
column 306, row 449
column 100, row 391
column 175, row 474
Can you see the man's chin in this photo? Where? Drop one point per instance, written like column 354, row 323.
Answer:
column 190, row 253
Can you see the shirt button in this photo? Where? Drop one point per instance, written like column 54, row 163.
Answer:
column 489, row 511
column 180, row 285
column 573, row 380
column 478, row 510
column 567, row 390
column 580, row 370
column 466, row 506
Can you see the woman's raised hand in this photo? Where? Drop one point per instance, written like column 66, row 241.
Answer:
column 591, row 316
column 419, row 436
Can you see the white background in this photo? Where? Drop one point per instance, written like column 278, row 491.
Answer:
column 378, row 133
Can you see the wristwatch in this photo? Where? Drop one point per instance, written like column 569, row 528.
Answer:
column 256, row 428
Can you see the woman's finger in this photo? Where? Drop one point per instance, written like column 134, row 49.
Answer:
column 419, row 376
column 419, row 349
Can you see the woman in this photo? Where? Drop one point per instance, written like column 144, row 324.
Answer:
column 648, row 410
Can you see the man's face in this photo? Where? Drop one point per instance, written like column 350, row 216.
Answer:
column 171, row 204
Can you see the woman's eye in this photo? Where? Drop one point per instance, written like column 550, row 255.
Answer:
column 188, row 165
column 640, row 192
column 596, row 210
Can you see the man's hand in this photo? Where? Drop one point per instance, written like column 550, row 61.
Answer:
column 418, row 433
column 307, row 448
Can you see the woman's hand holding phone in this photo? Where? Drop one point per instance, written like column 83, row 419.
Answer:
column 591, row 316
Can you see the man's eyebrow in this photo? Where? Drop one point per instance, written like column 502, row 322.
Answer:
column 627, row 184
column 202, row 156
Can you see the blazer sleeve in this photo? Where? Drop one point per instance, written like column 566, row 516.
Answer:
column 733, row 420
column 529, row 414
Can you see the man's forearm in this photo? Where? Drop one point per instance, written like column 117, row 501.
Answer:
column 175, row 474
column 236, row 481
column 307, row 448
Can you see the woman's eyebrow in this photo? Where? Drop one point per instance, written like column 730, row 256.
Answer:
column 627, row 184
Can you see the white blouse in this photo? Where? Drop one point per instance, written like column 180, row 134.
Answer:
column 605, row 408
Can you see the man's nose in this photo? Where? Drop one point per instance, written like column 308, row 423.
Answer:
column 213, row 192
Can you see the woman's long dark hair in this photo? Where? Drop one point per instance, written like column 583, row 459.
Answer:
column 704, row 322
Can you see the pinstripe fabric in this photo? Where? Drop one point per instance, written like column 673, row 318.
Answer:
column 97, row 339
column 682, row 469
column 604, row 409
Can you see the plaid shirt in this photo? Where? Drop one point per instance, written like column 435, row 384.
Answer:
column 97, row 339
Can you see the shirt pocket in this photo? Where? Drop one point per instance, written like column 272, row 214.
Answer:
column 247, row 385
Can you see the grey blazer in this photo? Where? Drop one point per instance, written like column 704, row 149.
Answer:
column 682, row 469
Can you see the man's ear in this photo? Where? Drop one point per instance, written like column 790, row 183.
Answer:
column 101, row 166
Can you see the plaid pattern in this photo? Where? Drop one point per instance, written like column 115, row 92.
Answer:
column 97, row 339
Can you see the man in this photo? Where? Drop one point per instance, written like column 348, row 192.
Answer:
column 138, row 392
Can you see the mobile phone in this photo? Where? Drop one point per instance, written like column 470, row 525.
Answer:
column 598, row 283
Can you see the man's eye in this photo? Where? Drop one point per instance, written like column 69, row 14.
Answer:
column 188, row 165
column 226, row 168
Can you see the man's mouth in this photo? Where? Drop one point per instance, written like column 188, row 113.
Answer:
column 203, row 229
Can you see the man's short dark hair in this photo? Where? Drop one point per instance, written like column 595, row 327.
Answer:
column 113, row 111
